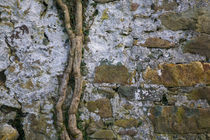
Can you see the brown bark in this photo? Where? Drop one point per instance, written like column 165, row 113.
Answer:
column 73, row 69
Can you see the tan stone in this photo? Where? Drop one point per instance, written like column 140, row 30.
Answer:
column 111, row 74
column 180, row 120
column 7, row 132
column 101, row 106
column 175, row 75
column 157, row 43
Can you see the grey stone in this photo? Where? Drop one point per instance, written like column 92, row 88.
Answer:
column 128, row 92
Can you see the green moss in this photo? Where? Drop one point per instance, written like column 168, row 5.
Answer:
column 105, row 15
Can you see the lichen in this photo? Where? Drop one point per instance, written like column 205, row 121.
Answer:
column 105, row 15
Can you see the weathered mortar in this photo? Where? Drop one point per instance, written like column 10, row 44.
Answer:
column 146, row 68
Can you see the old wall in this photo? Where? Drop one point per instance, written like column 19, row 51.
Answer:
column 148, row 70
column 146, row 66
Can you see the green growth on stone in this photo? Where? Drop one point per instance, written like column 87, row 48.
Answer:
column 105, row 15
column 127, row 123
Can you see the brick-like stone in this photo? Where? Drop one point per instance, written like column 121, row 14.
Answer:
column 180, row 21
column 111, row 74
column 193, row 19
column 200, row 93
column 203, row 25
column 101, row 106
column 175, row 75
column 199, row 45
column 157, row 43
column 127, row 123
column 103, row 134
column 180, row 120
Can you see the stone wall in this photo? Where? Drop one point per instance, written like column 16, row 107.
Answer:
column 148, row 71
column 146, row 66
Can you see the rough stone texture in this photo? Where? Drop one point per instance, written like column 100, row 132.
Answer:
column 199, row 45
column 193, row 19
column 117, row 37
column 33, row 54
column 111, row 74
column 203, row 21
column 180, row 21
column 200, row 93
column 180, row 120
column 166, row 5
column 7, row 100
column 173, row 75
column 128, row 92
column 127, row 123
column 7, row 132
column 101, row 106
column 157, row 43
column 103, row 134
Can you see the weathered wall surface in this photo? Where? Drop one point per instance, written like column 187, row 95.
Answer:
column 148, row 70
column 146, row 67
column 33, row 53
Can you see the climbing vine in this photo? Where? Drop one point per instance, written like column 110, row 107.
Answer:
column 73, row 69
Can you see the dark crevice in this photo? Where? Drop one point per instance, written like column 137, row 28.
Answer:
column 164, row 100
column 18, row 124
column 2, row 78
